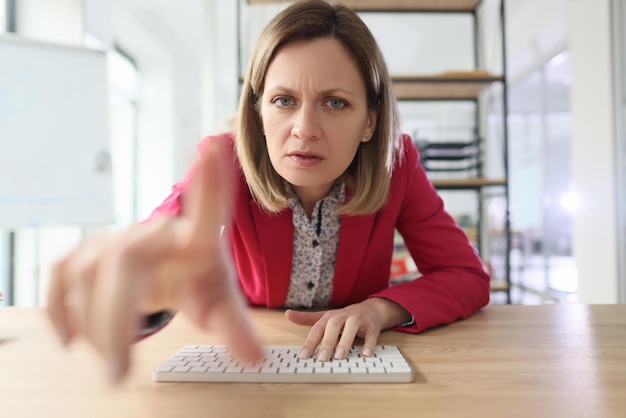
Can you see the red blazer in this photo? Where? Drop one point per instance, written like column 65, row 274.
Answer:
column 453, row 282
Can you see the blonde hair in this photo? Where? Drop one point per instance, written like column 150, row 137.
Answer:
column 368, row 176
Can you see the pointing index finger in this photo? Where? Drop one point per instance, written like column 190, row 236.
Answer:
column 207, row 201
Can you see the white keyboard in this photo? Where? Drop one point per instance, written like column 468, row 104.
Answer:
column 208, row 363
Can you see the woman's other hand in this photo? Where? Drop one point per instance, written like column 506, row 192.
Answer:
column 103, row 289
column 333, row 331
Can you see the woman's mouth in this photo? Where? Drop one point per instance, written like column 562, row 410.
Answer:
column 305, row 159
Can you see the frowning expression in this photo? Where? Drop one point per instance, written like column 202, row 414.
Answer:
column 314, row 113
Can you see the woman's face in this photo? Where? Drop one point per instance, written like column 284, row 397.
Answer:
column 315, row 115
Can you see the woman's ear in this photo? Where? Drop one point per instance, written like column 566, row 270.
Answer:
column 372, row 118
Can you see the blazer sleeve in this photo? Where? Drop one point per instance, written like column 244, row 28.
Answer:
column 453, row 282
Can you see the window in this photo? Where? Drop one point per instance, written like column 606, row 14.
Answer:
column 543, row 266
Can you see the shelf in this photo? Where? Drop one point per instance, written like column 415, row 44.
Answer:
column 460, row 184
column 400, row 5
column 447, row 86
column 499, row 286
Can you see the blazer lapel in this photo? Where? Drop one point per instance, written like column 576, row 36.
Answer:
column 354, row 237
column 275, row 234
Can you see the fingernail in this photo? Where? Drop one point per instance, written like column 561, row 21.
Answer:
column 366, row 352
column 339, row 353
column 323, row 355
column 303, row 354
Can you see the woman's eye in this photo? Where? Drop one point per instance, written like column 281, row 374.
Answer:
column 282, row 101
column 336, row 103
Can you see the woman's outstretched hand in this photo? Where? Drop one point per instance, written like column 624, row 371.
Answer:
column 333, row 332
column 103, row 289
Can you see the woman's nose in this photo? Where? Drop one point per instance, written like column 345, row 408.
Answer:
column 306, row 123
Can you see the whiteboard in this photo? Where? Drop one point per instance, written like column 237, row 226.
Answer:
column 55, row 164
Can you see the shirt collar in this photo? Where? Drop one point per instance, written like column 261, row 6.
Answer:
column 336, row 195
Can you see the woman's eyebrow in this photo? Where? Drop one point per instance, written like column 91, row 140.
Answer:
column 327, row 92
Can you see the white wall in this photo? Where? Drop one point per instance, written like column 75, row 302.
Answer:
column 595, row 236
column 2, row 16
column 220, row 72
column 169, row 113
column 60, row 21
column 537, row 30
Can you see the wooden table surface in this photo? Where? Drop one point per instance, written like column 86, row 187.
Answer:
column 506, row 361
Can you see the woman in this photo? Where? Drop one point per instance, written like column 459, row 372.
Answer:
column 310, row 188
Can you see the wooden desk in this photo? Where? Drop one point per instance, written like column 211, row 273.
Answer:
column 506, row 361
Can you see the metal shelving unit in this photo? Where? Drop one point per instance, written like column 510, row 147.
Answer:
column 460, row 86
